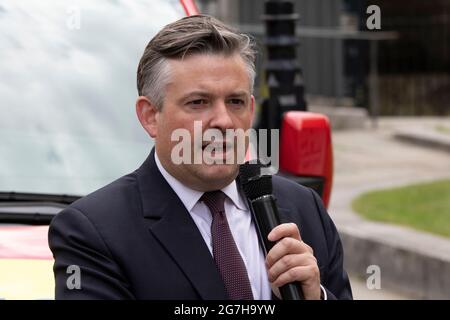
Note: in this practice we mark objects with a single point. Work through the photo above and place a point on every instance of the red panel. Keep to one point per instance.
(190, 7)
(24, 242)
(306, 149)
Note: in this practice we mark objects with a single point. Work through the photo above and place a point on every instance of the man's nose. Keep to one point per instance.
(220, 117)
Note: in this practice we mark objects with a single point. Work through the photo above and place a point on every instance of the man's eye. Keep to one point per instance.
(197, 102)
(239, 102)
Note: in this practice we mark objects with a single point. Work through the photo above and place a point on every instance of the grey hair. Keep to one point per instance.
(198, 34)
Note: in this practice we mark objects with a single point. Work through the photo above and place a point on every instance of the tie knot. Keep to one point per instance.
(215, 201)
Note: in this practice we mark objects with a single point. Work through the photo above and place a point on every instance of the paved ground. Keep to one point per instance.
(372, 159)
(361, 292)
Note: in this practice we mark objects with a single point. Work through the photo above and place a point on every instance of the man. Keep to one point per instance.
(184, 231)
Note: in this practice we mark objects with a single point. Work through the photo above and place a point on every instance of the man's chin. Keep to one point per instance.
(218, 176)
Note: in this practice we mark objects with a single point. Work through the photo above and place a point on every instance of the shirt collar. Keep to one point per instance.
(232, 192)
(189, 197)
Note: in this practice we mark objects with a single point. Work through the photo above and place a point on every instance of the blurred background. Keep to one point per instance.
(382, 78)
(385, 89)
(412, 57)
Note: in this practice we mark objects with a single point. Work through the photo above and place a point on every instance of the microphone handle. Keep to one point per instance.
(267, 218)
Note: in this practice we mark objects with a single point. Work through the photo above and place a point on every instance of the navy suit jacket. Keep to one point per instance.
(134, 239)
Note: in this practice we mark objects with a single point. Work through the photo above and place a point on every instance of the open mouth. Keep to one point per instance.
(217, 146)
(218, 151)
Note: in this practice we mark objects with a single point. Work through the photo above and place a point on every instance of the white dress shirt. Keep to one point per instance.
(241, 225)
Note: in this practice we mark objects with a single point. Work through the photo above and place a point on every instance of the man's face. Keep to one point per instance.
(215, 90)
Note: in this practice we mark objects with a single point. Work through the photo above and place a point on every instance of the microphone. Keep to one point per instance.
(258, 190)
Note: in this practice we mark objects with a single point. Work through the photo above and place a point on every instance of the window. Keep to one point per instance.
(68, 90)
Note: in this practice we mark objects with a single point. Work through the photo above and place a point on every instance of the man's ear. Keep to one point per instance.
(147, 114)
(252, 107)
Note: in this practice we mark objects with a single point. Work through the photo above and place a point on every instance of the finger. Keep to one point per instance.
(289, 262)
(284, 247)
(300, 274)
(309, 248)
(284, 230)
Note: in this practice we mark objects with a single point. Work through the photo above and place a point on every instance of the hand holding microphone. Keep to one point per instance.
(290, 262)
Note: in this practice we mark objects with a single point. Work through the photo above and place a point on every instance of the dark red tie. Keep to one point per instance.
(226, 254)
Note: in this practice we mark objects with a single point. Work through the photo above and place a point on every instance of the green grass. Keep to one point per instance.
(443, 129)
(424, 207)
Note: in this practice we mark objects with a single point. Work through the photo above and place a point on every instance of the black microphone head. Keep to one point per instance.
(254, 183)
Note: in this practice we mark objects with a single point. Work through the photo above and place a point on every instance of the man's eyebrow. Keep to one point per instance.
(239, 93)
(195, 94)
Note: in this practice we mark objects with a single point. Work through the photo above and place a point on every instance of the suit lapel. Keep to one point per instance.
(286, 215)
(177, 232)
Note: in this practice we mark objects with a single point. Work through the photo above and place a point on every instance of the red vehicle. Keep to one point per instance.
(67, 81)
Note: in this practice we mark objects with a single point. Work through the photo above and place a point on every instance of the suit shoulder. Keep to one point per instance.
(285, 186)
(110, 198)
